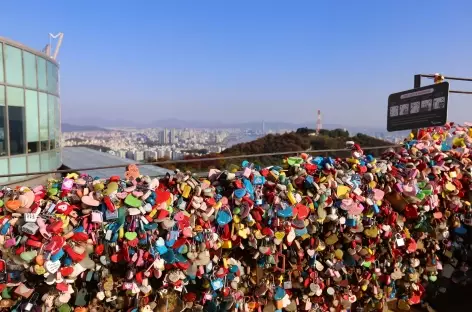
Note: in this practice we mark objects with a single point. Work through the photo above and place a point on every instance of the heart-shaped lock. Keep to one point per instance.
(331, 240)
(285, 212)
(356, 209)
(310, 252)
(39, 270)
(217, 284)
(52, 266)
(279, 235)
(371, 232)
(279, 293)
(223, 218)
(243, 233)
(28, 256)
(131, 235)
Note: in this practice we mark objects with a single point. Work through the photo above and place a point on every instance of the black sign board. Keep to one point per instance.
(418, 108)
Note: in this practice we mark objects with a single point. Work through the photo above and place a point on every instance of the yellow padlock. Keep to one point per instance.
(290, 187)
(227, 244)
(291, 198)
(225, 263)
(312, 207)
(407, 233)
(121, 232)
(186, 192)
(305, 236)
(152, 213)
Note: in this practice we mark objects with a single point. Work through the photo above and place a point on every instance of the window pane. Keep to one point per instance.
(44, 157)
(4, 169)
(58, 158)
(33, 163)
(29, 61)
(58, 122)
(43, 118)
(52, 78)
(32, 116)
(17, 129)
(3, 141)
(2, 95)
(1, 63)
(32, 121)
(18, 165)
(42, 74)
(51, 117)
(52, 160)
(15, 96)
(13, 65)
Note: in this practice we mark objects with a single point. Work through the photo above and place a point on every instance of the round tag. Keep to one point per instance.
(330, 291)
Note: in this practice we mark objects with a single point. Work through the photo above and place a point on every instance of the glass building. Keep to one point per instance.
(30, 115)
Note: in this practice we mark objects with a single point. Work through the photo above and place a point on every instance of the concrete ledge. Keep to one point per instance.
(32, 181)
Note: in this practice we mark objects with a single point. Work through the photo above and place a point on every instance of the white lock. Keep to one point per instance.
(399, 240)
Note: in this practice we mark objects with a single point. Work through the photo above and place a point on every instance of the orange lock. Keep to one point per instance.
(13, 204)
(279, 304)
(39, 260)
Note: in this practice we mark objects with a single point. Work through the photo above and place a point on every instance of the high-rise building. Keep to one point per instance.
(168, 154)
(160, 154)
(166, 136)
(30, 125)
(150, 155)
(129, 154)
(172, 136)
(139, 155)
(121, 153)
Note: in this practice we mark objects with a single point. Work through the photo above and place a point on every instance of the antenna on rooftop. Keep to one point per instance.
(59, 37)
(47, 50)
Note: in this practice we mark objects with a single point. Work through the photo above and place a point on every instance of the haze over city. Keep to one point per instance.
(235, 61)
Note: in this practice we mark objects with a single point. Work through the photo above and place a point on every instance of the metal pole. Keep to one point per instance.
(417, 84)
(445, 77)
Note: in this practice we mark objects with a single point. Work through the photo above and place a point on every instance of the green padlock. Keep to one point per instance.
(52, 191)
(65, 308)
(6, 293)
(132, 201)
(111, 188)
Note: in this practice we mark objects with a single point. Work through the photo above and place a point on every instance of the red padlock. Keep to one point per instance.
(55, 227)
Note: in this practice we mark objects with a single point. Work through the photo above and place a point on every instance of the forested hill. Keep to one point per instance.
(301, 140)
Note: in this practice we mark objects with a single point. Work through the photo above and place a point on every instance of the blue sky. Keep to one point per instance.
(246, 60)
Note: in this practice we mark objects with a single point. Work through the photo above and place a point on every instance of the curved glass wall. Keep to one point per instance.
(30, 127)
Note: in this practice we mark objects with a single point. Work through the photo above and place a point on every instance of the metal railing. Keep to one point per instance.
(326, 152)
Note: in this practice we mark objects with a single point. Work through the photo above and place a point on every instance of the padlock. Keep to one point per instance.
(97, 216)
(227, 244)
(399, 240)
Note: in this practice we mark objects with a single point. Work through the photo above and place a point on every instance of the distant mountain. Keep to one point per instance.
(66, 127)
(195, 124)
